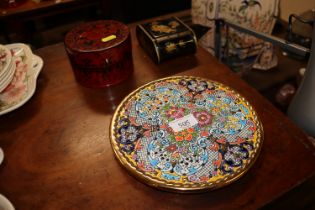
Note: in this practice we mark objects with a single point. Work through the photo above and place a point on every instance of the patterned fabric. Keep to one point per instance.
(255, 14)
(186, 132)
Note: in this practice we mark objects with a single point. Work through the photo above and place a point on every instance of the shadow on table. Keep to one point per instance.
(106, 100)
(24, 113)
(177, 65)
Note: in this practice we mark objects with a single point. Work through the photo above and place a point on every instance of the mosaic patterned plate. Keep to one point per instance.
(186, 134)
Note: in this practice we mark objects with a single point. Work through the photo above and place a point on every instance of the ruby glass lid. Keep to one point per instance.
(96, 36)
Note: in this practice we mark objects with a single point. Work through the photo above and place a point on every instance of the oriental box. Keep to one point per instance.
(167, 38)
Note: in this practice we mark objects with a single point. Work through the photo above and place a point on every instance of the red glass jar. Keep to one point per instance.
(100, 53)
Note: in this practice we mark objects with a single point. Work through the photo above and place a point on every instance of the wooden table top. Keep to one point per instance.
(58, 154)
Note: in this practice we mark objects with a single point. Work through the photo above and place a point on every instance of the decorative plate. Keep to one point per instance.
(23, 85)
(5, 204)
(7, 77)
(6, 67)
(5, 59)
(186, 134)
(1, 155)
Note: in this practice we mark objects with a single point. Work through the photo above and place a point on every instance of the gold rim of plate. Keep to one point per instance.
(170, 186)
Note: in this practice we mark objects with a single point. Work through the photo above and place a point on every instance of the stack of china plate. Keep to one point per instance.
(7, 67)
(19, 69)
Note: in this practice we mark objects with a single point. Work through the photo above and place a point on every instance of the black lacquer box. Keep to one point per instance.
(167, 38)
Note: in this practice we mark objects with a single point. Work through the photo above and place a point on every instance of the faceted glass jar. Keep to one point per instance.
(100, 53)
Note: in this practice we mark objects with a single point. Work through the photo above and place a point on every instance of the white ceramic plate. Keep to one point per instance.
(6, 73)
(7, 77)
(22, 86)
(7, 67)
(5, 59)
(1, 155)
(21, 54)
(5, 204)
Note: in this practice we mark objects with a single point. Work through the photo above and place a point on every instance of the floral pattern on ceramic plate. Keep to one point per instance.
(7, 68)
(186, 134)
(5, 59)
(23, 84)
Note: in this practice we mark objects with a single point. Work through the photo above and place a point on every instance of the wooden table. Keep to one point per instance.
(58, 154)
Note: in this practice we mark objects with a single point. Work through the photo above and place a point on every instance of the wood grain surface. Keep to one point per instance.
(58, 154)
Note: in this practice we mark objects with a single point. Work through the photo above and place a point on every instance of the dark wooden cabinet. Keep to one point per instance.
(30, 21)
(142, 9)
(26, 22)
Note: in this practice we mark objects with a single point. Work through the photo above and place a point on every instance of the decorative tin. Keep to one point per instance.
(186, 134)
(165, 39)
(100, 53)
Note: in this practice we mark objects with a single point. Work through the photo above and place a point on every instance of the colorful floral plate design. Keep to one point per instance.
(23, 84)
(186, 134)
